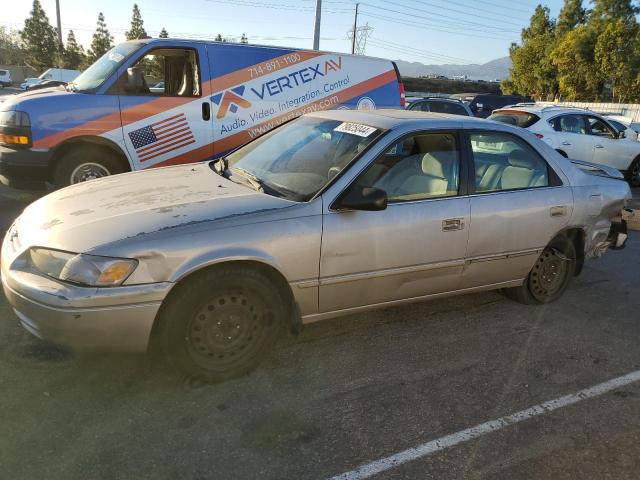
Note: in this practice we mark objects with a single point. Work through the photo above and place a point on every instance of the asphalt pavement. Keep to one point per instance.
(347, 392)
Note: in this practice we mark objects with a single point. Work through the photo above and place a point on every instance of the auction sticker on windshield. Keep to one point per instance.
(355, 129)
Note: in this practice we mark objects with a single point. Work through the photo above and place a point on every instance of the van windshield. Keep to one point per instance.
(103, 68)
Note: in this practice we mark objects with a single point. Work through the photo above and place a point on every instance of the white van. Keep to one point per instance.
(59, 74)
(5, 78)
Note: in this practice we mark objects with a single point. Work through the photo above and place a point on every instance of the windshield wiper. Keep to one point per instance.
(219, 165)
(73, 87)
(254, 181)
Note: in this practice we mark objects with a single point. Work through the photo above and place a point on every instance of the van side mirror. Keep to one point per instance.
(369, 199)
(135, 80)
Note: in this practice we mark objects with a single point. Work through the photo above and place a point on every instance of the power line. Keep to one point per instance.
(424, 52)
(410, 12)
(432, 27)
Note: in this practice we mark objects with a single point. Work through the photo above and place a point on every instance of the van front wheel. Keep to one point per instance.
(84, 164)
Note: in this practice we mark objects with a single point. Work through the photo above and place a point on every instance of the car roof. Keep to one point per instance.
(391, 118)
(540, 109)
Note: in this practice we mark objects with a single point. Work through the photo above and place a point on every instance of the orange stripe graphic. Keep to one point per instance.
(133, 114)
(243, 137)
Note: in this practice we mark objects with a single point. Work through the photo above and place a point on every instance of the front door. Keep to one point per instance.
(518, 206)
(165, 109)
(607, 148)
(416, 246)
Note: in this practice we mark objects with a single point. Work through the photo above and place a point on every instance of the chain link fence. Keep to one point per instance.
(629, 110)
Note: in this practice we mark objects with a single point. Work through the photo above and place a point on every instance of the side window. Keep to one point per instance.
(169, 72)
(420, 106)
(417, 168)
(569, 124)
(600, 128)
(504, 162)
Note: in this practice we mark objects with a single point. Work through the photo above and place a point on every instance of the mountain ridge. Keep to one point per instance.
(494, 69)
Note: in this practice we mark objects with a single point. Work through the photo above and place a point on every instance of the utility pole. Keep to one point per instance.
(316, 31)
(355, 27)
(59, 23)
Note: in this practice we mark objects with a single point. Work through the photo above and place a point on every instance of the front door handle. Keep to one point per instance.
(452, 224)
(206, 111)
(566, 143)
(599, 146)
(558, 211)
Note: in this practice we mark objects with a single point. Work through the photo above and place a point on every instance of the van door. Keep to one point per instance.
(164, 104)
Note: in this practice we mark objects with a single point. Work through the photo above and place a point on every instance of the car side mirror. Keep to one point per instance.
(621, 134)
(134, 81)
(369, 199)
(479, 107)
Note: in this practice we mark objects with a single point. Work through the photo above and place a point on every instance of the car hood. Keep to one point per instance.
(83, 217)
(53, 93)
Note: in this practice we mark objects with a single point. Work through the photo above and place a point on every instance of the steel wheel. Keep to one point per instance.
(549, 274)
(226, 328)
(88, 171)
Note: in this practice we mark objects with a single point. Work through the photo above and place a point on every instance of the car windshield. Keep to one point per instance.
(515, 117)
(101, 69)
(297, 160)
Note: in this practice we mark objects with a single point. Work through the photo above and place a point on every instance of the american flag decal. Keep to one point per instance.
(161, 137)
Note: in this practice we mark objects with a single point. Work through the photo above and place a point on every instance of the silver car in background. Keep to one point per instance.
(332, 213)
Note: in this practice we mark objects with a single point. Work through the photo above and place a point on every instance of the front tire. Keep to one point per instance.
(633, 174)
(550, 275)
(221, 323)
(86, 163)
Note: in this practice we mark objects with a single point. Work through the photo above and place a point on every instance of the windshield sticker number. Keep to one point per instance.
(355, 129)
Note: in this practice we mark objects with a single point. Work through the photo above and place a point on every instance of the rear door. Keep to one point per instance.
(572, 136)
(166, 115)
(517, 205)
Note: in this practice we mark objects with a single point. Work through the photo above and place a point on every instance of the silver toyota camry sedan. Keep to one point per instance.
(332, 213)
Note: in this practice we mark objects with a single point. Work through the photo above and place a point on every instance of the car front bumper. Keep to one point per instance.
(107, 319)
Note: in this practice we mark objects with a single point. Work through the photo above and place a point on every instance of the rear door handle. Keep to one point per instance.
(566, 143)
(558, 211)
(452, 224)
(206, 111)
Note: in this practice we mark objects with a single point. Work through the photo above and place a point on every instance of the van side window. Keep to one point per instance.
(504, 162)
(168, 72)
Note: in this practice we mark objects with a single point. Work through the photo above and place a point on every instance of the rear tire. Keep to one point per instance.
(86, 163)
(220, 323)
(550, 275)
(633, 174)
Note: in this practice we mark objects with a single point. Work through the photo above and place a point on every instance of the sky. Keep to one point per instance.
(427, 31)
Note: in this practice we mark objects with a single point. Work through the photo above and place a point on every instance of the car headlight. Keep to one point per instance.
(87, 270)
(15, 129)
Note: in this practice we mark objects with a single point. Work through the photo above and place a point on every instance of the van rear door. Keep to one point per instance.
(164, 103)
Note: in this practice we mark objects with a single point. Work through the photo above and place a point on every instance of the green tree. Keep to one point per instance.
(616, 57)
(218, 38)
(571, 15)
(102, 41)
(574, 58)
(39, 39)
(533, 72)
(137, 25)
(11, 52)
(73, 55)
(244, 39)
(607, 10)
(163, 33)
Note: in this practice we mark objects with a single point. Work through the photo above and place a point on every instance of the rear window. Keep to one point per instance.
(3, 72)
(515, 117)
(447, 107)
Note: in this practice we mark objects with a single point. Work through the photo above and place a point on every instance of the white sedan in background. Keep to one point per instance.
(578, 134)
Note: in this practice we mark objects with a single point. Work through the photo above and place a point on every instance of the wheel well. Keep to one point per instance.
(576, 235)
(84, 142)
(563, 153)
(277, 279)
